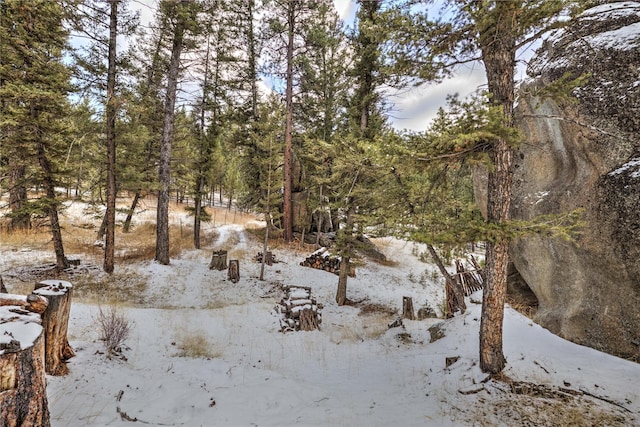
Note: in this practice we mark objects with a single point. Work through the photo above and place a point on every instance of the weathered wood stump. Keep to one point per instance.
(233, 273)
(23, 395)
(55, 322)
(407, 308)
(3, 290)
(218, 261)
(269, 258)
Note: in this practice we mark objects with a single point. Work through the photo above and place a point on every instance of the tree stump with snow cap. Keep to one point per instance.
(23, 394)
(55, 322)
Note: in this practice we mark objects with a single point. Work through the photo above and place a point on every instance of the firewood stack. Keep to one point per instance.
(298, 310)
(470, 279)
(322, 260)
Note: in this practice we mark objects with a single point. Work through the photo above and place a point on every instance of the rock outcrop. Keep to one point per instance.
(586, 156)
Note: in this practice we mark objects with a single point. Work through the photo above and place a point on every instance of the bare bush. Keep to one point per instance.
(115, 329)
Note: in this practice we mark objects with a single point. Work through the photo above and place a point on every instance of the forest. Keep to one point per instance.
(278, 108)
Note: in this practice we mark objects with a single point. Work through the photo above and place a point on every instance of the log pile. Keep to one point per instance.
(298, 310)
(471, 279)
(23, 396)
(323, 260)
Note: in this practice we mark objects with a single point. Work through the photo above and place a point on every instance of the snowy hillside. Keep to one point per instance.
(206, 352)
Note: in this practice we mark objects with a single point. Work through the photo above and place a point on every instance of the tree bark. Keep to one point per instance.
(218, 261)
(498, 45)
(110, 214)
(233, 273)
(164, 169)
(52, 207)
(23, 396)
(55, 322)
(287, 217)
(345, 262)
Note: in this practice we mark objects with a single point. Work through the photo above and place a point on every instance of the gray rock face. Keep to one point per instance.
(586, 156)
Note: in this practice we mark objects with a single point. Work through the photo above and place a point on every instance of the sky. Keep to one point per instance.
(411, 109)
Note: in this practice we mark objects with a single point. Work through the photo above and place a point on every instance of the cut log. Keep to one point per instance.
(23, 395)
(407, 308)
(218, 261)
(55, 322)
(32, 303)
(233, 273)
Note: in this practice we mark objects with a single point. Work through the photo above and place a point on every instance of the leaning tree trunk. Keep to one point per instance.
(55, 322)
(23, 395)
(498, 44)
(450, 283)
(56, 232)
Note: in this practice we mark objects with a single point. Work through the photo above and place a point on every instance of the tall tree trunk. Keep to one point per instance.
(52, 208)
(204, 160)
(288, 137)
(110, 214)
(164, 169)
(345, 262)
(498, 44)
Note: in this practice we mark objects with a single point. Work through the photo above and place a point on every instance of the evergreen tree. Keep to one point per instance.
(34, 84)
(490, 31)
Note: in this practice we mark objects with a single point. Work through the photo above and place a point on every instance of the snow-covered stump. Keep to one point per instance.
(298, 310)
(55, 322)
(23, 394)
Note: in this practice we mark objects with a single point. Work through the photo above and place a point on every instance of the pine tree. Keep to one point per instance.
(34, 83)
(490, 31)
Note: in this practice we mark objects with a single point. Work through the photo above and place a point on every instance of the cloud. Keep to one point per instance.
(414, 109)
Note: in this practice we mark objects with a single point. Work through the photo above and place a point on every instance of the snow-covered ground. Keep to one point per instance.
(206, 352)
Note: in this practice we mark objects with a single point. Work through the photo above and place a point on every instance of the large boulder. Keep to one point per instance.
(587, 156)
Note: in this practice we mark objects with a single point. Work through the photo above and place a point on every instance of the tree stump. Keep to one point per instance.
(23, 394)
(407, 308)
(233, 273)
(55, 322)
(269, 258)
(218, 261)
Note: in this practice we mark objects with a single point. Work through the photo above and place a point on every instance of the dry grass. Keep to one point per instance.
(195, 344)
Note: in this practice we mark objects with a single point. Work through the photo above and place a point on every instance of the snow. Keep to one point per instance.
(53, 287)
(18, 325)
(355, 371)
(632, 167)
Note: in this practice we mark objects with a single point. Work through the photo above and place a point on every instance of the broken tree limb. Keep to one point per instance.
(455, 294)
